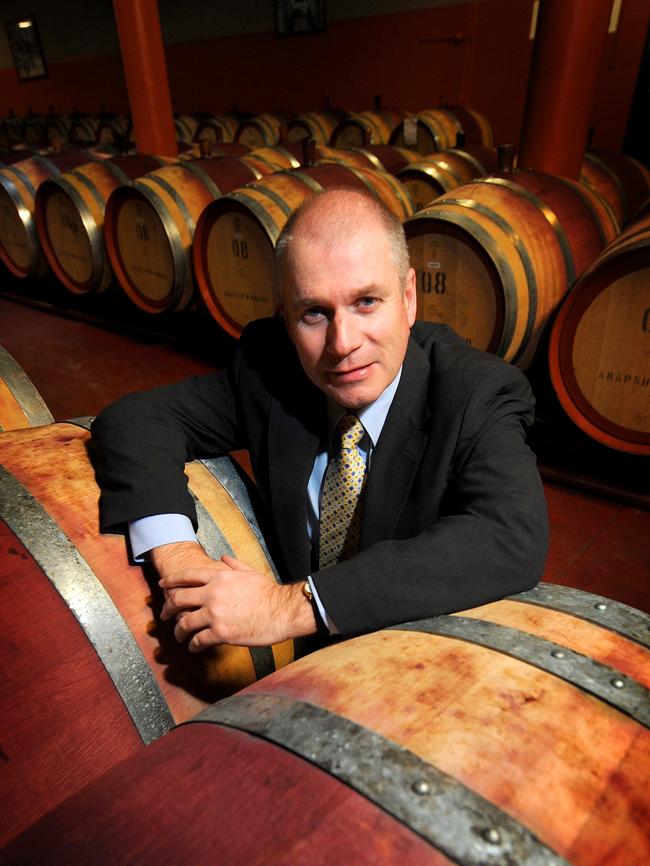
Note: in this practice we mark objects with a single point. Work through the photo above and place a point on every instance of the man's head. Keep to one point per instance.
(347, 293)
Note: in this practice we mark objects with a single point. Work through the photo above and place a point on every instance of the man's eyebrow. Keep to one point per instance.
(313, 301)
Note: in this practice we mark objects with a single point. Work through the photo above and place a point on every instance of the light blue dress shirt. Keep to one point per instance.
(149, 532)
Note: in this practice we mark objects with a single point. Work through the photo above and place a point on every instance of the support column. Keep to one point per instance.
(569, 47)
(145, 69)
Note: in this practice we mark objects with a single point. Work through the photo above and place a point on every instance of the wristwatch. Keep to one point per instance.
(306, 591)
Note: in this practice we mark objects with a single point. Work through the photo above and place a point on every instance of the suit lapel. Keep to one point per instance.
(295, 429)
(397, 456)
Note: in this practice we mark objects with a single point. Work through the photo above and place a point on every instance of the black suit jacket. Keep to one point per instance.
(454, 514)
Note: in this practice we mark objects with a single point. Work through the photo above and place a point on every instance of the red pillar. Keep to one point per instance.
(569, 46)
(145, 69)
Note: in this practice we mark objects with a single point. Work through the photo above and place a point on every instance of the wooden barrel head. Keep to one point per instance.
(67, 237)
(600, 352)
(17, 235)
(142, 239)
(238, 258)
(457, 283)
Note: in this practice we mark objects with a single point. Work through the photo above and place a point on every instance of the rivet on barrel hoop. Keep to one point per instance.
(492, 835)
(558, 654)
(601, 606)
(421, 787)
(618, 684)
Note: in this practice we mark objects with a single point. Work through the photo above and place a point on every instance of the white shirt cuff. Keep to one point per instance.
(331, 626)
(149, 532)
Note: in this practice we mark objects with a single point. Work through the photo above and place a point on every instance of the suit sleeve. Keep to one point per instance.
(488, 540)
(142, 442)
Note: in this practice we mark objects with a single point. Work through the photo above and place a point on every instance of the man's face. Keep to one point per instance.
(347, 314)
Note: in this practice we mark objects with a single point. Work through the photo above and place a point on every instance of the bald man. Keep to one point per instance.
(452, 513)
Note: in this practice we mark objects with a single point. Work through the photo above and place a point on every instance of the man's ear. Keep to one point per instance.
(411, 297)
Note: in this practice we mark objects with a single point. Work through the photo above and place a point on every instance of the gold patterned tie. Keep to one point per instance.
(341, 501)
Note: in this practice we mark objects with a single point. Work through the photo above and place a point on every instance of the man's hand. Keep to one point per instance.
(227, 601)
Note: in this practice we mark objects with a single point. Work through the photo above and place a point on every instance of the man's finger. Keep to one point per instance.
(181, 599)
(237, 564)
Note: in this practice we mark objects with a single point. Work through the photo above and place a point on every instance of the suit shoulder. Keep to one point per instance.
(448, 352)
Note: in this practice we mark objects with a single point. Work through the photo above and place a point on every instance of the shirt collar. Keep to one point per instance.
(372, 416)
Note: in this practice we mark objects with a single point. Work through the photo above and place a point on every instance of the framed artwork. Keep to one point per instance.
(26, 50)
(296, 17)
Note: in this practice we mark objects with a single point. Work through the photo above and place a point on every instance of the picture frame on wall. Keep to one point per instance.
(298, 17)
(26, 50)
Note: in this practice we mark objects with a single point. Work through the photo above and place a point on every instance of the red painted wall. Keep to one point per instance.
(477, 54)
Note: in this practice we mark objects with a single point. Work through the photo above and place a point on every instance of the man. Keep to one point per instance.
(449, 510)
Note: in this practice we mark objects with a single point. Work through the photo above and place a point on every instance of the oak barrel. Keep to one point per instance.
(435, 129)
(514, 733)
(263, 130)
(19, 245)
(599, 351)
(217, 128)
(20, 403)
(235, 236)
(149, 227)
(429, 178)
(318, 125)
(367, 127)
(69, 214)
(623, 181)
(494, 258)
(84, 128)
(89, 670)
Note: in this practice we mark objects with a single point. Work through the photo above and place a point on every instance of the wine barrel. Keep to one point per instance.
(185, 126)
(20, 403)
(514, 733)
(84, 128)
(217, 128)
(494, 258)
(69, 214)
(386, 157)
(57, 127)
(429, 178)
(19, 245)
(235, 236)
(318, 125)
(622, 181)
(207, 148)
(263, 130)
(149, 228)
(435, 129)
(599, 351)
(115, 130)
(32, 128)
(367, 127)
(89, 670)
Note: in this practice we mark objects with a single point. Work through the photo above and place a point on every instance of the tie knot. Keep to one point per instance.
(350, 430)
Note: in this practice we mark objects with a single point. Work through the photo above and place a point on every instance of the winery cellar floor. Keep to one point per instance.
(80, 359)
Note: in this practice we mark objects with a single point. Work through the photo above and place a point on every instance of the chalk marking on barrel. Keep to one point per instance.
(91, 605)
(456, 820)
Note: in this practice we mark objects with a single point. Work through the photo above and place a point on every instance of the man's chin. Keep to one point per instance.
(351, 397)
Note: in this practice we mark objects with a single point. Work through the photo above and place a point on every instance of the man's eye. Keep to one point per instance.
(313, 314)
(367, 302)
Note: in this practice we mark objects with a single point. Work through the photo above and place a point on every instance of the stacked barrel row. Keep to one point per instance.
(495, 255)
(427, 130)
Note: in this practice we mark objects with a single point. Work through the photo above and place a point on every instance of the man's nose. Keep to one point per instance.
(343, 336)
